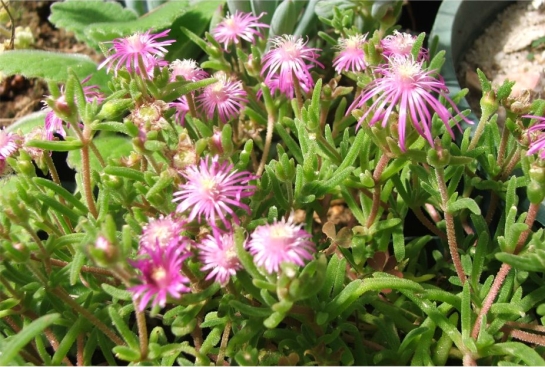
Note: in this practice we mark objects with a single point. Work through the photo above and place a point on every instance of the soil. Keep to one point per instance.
(505, 51)
(20, 96)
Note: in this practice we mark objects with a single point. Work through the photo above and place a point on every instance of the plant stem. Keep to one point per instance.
(223, 344)
(428, 224)
(381, 165)
(86, 172)
(504, 270)
(267, 147)
(479, 131)
(61, 293)
(142, 331)
(449, 220)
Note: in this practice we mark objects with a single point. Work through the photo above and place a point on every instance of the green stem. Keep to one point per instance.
(449, 219)
(381, 166)
(479, 131)
(88, 315)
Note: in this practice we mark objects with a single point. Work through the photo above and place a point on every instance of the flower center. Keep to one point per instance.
(209, 188)
(134, 43)
(159, 275)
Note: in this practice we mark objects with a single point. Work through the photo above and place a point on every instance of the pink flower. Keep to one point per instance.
(351, 57)
(144, 46)
(280, 242)
(213, 190)
(162, 232)
(8, 143)
(226, 96)
(400, 44)
(182, 108)
(188, 69)
(236, 27)
(217, 253)
(160, 276)
(404, 85)
(289, 56)
(536, 137)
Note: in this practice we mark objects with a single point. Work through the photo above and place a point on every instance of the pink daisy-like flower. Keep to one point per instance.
(406, 85)
(182, 108)
(226, 96)
(236, 27)
(351, 57)
(188, 69)
(400, 44)
(217, 253)
(161, 276)
(280, 242)
(145, 46)
(161, 232)
(213, 190)
(536, 137)
(8, 143)
(289, 56)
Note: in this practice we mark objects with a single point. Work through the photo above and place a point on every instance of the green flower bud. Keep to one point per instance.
(112, 109)
(489, 103)
(438, 158)
(110, 181)
(535, 192)
(103, 252)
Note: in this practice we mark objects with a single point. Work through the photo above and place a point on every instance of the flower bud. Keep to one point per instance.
(104, 252)
(489, 103)
(438, 157)
(535, 192)
(113, 109)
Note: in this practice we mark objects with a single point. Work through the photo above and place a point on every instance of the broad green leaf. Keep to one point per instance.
(27, 123)
(109, 146)
(160, 18)
(75, 16)
(12, 346)
(51, 66)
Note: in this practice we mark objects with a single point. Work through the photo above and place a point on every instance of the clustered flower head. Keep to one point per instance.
(238, 26)
(280, 242)
(161, 275)
(8, 144)
(188, 69)
(405, 85)
(162, 232)
(212, 191)
(217, 253)
(288, 62)
(351, 56)
(226, 97)
(399, 44)
(139, 49)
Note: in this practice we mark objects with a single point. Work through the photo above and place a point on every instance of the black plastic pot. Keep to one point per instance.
(457, 24)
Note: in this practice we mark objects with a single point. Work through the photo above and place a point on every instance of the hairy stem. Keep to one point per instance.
(381, 165)
(449, 220)
(428, 224)
(504, 270)
(267, 147)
